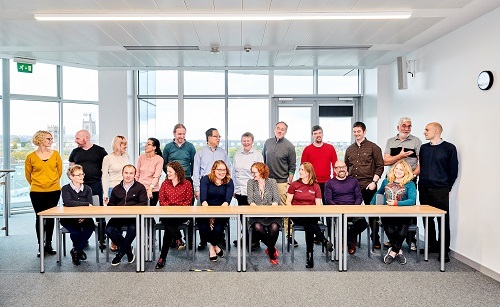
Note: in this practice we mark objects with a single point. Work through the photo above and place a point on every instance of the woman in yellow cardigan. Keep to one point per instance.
(43, 170)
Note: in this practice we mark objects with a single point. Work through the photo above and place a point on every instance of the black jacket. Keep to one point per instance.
(136, 195)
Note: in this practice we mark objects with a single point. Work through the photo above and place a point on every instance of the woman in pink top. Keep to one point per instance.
(306, 191)
(149, 168)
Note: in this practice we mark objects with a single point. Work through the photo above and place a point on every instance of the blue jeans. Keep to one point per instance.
(113, 230)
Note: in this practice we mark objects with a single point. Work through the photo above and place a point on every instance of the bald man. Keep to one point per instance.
(438, 172)
(90, 157)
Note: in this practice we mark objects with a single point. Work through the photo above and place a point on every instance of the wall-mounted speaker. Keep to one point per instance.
(402, 73)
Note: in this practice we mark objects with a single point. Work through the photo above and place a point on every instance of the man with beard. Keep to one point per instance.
(322, 156)
(344, 190)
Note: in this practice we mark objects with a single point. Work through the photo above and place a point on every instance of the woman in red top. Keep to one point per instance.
(176, 190)
(306, 191)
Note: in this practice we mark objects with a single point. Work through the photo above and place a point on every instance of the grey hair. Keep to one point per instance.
(404, 119)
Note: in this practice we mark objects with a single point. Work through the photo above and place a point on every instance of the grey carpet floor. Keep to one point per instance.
(369, 282)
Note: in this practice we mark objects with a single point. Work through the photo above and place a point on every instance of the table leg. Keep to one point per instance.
(138, 242)
(244, 243)
(238, 242)
(58, 241)
(344, 233)
(339, 242)
(442, 234)
(332, 237)
(426, 239)
(40, 245)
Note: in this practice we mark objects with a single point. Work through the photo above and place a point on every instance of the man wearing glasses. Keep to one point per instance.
(344, 190)
(404, 146)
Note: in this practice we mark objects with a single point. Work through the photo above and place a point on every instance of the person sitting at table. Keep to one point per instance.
(263, 191)
(128, 193)
(176, 190)
(345, 190)
(77, 194)
(306, 191)
(398, 190)
(216, 189)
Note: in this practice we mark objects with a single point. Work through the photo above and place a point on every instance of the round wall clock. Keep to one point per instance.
(485, 80)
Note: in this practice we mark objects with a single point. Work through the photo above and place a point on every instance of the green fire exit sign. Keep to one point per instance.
(24, 67)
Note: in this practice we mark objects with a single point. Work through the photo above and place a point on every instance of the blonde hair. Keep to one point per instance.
(40, 136)
(117, 141)
(72, 169)
(406, 169)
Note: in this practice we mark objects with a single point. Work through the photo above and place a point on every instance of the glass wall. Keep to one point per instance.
(38, 102)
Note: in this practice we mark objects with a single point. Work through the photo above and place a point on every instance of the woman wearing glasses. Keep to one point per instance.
(263, 191)
(149, 168)
(398, 190)
(216, 189)
(306, 191)
(43, 170)
(77, 194)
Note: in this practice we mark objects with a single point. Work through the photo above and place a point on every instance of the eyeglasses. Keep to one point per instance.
(340, 167)
(49, 139)
(78, 175)
(216, 136)
(149, 144)
(406, 126)
(221, 169)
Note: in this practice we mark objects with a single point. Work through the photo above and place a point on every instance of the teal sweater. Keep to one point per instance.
(409, 198)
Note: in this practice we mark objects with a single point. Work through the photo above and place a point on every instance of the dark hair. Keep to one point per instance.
(179, 126)
(282, 122)
(262, 169)
(178, 169)
(316, 128)
(129, 165)
(209, 132)
(156, 144)
(359, 124)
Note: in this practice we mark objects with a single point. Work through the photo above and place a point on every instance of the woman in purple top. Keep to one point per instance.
(306, 191)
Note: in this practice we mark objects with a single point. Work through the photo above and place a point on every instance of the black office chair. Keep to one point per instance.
(159, 227)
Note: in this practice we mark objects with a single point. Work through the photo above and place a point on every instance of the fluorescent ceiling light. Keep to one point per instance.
(151, 48)
(360, 47)
(230, 16)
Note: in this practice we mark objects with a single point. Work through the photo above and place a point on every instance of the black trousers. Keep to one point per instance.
(439, 198)
(396, 229)
(172, 233)
(42, 201)
(311, 229)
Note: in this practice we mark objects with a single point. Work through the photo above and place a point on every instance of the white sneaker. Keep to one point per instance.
(413, 247)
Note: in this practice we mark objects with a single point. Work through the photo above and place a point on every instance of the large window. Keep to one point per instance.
(204, 82)
(42, 82)
(293, 82)
(253, 82)
(158, 82)
(80, 84)
(338, 81)
(202, 114)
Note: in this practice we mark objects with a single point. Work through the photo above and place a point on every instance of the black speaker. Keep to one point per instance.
(402, 73)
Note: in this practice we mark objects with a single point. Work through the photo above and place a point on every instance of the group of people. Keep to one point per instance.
(257, 179)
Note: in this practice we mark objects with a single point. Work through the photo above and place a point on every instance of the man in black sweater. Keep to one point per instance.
(128, 193)
(438, 172)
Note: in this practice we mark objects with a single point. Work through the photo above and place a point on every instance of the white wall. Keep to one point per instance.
(445, 90)
(116, 109)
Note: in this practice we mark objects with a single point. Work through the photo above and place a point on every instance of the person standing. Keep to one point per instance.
(149, 166)
(279, 155)
(43, 171)
(404, 146)
(365, 163)
(244, 158)
(90, 157)
(113, 164)
(438, 172)
(322, 156)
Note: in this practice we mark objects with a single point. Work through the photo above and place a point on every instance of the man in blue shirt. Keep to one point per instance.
(438, 172)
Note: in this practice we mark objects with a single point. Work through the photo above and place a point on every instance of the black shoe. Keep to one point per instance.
(255, 246)
(328, 245)
(317, 240)
(221, 253)
(83, 256)
(117, 260)
(310, 261)
(235, 242)
(202, 246)
(49, 250)
(160, 264)
(75, 256)
(446, 258)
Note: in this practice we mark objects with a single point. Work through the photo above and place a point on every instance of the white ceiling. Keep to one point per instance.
(100, 44)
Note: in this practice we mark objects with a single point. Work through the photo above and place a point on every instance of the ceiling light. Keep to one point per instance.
(214, 16)
(153, 48)
(360, 47)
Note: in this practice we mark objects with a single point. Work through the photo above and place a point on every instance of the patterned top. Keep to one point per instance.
(267, 197)
(179, 195)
